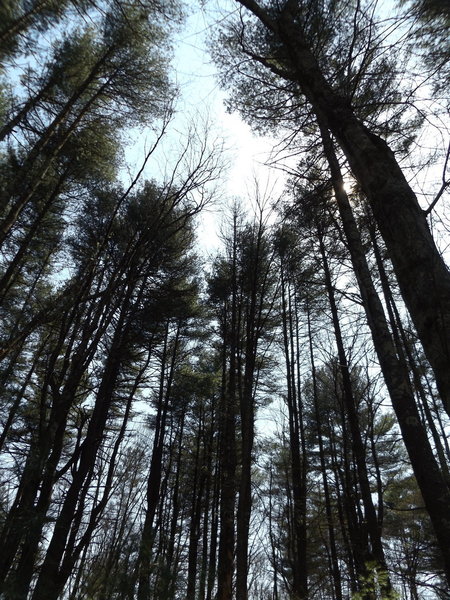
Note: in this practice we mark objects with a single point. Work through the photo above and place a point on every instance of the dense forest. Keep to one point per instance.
(268, 423)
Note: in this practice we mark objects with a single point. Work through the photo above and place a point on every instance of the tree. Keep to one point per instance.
(285, 32)
(114, 73)
(289, 259)
(285, 43)
(242, 294)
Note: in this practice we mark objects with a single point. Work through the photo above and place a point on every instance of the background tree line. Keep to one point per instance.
(271, 422)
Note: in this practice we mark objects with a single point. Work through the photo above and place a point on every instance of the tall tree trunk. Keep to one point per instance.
(25, 187)
(55, 568)
(253, 328)
(144, 567)
(16, 263)
(296, 441)
(341, 510)
(429, 477)
(213, 547)
(334, 564)
(356, 526)
(26, 108)
(209, 536)
(227, 439)
(422, 275)
(21, 23)
(357, 444)
(405, 354)
(195, 517)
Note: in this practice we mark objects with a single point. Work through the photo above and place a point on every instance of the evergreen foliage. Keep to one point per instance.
(269, 423)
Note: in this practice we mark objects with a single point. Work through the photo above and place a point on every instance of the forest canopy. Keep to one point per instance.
(270, 421)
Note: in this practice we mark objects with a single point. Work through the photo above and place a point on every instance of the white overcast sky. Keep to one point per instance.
(201, 94)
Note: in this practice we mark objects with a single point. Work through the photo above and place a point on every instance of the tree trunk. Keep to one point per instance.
(22, 23)
(253, 329)
(16, 263)
(429, 477)
(54, 570)
(422, 275)
(26, 108)
(334, 564)
(144, 567)
(296, 440)
(24, 188)
(357, 444)
(227, 440)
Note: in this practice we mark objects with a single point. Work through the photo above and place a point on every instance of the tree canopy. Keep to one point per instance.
(270, 421)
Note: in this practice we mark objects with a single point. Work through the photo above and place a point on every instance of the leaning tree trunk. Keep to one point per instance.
(422, 275)
(56, 566)
(406, 355)
(429, 477)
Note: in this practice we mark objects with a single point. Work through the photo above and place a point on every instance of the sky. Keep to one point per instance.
(201, 102)
(196, 77)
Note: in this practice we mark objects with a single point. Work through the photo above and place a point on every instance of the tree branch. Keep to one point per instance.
(444, 186)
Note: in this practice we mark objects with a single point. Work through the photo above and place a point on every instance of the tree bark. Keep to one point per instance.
(334, 563)
(431, 482)
(227, 439)
(422, 275)
(144, 567)
(370, 514)
(56, 567)
(297, 443)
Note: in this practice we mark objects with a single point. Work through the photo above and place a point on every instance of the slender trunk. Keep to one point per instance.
(7, 277)
(273, 549)
(290, 336)
(227, 441)
(21, 24)
(247, 412)
(356, 438)
(376, 463)
(28, 184)
(213, 548)
(21, 394)
(195, 520)
(144, 561)
(26, 108)
(54, 570)
(244, 499)
(329, 516)
(357, 528)
(225, 565)
(406, 355)
(337, 470)
(208, 537)
(170, 579)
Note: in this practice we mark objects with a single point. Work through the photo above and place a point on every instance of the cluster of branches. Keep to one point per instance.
(134, 458)
(322, 76)
(97, 279)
